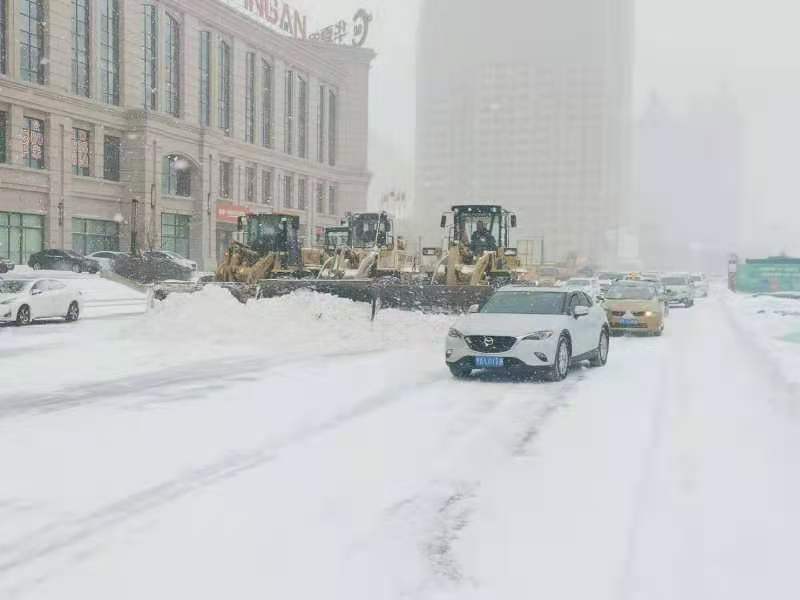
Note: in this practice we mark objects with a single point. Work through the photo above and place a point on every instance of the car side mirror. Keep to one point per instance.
(444, 222)
(513, 221)
(475, 308)
(36, 292)
(600, 298)
(580, 311)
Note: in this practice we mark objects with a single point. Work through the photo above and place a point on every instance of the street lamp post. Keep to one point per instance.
(134, 224)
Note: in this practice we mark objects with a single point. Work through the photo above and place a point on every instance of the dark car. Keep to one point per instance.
(150, 268)
(63, 260)
(6, 265)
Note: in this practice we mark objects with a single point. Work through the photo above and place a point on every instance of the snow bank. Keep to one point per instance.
(304, 320)
(774, 326)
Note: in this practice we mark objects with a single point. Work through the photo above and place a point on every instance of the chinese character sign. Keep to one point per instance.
(342, 32)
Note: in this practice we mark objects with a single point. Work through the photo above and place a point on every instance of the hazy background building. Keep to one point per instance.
(690, 173)
(527, 105)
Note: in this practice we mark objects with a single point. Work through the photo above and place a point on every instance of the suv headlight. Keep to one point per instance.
(538, 336)
(455, 333)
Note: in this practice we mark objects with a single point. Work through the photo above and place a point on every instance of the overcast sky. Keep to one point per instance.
(685, 48)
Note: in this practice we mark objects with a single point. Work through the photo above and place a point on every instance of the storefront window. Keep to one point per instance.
(90, 235)
(20, 236)
(175, 232)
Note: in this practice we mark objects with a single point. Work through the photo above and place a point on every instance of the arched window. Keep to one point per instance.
(176, 178)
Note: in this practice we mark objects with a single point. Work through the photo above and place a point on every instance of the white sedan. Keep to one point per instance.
(530, 330)
(25, 300)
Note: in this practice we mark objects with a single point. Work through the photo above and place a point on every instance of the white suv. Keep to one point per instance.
(532, 330)
(680, 289)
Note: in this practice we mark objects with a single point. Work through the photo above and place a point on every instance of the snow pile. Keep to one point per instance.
(774, 326)
(304, 321)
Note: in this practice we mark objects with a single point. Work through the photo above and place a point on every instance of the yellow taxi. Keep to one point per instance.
(634, 307)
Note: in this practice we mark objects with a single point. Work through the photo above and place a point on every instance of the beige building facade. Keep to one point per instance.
(165, 121)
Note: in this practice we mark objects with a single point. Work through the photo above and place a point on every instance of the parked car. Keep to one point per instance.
(529, 330)
(106, 258)
(634, 307)
(151, 268)
(25, 300)
(679, 289)
(174, 257)
(63, 260)
(6, 265)
(700, 282)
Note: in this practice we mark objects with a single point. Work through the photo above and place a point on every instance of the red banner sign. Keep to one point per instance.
(227, 212)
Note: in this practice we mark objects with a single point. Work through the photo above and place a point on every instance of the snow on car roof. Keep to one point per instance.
(530, 288)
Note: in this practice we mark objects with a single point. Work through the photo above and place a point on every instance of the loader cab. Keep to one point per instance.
(272, 233)
(372, 230)
(337, 237)
(479, 228)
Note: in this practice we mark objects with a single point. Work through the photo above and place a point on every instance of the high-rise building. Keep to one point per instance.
(527, 105)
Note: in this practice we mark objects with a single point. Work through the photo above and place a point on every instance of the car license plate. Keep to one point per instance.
(629, 322)
(488, 362)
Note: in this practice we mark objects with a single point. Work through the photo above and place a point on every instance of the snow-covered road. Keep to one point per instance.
(292, 449)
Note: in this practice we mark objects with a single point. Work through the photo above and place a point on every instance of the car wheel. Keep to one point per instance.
(601, 354)
(460, 372)
(37, 266)
(74, 313)
(560, 368)
(76, 268)
(24, 315)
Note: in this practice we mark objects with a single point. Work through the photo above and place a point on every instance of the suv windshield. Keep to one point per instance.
(631, 292)
(525, 303)
(675, 281)
(12, 287)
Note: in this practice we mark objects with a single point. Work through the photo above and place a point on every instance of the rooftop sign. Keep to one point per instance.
(283, 17)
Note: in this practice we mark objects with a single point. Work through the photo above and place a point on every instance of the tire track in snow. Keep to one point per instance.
(157, 386)
(67, 538)
(450, 503)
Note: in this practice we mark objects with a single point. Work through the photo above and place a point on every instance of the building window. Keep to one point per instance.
(205, 78)
(332, 200)
(250, 184)
(176, 177)
(111, 147)
(33, 143)
(289, 111)
(80, 152)
(89, 235)
(332, 128)
(302, 117)
(320, 198)
(31, 40)
(109, 50)
(321, 125)
(3, 135)
(288, 191)
(80, 47)
(20, 236)
(266, 104)
(301, 194)
(225, 179)
(266, 186)
(225, 87)
(172, 58)
(250, 99)
(3, 36)
(150, 57)
(175, 233)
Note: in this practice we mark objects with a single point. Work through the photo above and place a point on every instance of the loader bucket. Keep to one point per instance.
(418, 297)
